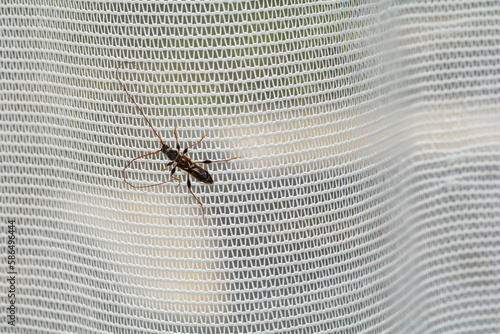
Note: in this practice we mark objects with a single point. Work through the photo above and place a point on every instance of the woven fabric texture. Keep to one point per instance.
(366, 195)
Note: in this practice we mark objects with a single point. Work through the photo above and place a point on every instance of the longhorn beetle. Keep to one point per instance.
(177, 159)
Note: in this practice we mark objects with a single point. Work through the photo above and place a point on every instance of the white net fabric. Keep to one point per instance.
(366, 198)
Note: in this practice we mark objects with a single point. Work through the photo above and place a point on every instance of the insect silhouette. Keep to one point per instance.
(177, 159)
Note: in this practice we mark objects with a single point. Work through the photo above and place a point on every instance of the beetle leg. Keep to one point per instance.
(189, 188)
(214, 161)
(199, 141)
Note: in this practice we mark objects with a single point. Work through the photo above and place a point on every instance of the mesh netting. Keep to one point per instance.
(366, 197)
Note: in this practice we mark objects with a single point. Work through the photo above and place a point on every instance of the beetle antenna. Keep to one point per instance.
(133, 101)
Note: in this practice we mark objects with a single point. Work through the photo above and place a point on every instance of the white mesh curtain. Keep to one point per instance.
(366, 198)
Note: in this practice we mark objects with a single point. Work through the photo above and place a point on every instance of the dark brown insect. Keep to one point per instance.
(177, 159)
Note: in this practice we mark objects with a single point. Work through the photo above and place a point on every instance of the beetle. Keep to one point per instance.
(177, 159)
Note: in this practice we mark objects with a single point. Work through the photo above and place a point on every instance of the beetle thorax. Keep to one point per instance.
(171, 153)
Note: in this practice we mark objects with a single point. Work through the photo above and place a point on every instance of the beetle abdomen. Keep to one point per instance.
(200, 174)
